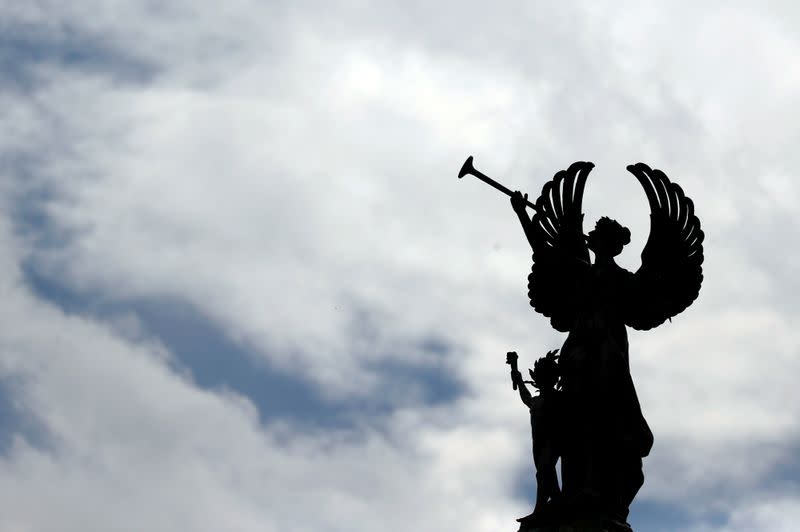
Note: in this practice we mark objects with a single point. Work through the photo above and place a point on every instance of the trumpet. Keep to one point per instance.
(468, 169)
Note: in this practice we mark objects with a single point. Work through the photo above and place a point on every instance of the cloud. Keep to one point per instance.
(287, 172)
(132, 444)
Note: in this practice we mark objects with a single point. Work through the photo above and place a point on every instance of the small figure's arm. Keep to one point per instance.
(516, 379)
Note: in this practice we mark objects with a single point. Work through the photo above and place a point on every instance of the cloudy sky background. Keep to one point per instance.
(242, 289)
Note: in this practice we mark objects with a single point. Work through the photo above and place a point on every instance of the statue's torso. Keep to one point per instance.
(598, 339)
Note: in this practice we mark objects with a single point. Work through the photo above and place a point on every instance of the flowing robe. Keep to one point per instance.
(605, 433)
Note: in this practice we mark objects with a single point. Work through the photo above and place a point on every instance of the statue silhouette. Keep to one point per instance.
(602, 433)
(545, 431)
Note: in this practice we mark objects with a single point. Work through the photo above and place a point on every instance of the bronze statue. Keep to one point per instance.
(545, 430)
(603, 435)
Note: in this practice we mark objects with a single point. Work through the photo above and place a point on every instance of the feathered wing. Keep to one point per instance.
(669, 278)
(560, 255)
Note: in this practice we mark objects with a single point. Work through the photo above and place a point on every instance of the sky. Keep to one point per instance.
(242, 288)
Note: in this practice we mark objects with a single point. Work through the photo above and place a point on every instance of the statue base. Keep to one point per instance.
(579, 526)
(578, 514)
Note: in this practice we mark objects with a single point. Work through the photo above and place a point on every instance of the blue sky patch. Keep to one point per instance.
(216, 362)
(23, 48)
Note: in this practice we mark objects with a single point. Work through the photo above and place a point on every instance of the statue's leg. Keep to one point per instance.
(633, 480)
(623, 478)
(541, 492)
(546, 485)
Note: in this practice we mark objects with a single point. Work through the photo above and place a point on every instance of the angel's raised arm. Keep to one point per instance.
(518, 203)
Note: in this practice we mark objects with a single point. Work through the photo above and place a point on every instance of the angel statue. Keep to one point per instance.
(604, 435)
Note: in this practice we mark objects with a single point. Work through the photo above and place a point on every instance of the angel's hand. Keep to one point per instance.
(518, 201)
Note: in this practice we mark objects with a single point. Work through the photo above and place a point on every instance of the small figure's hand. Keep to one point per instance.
(518, 201)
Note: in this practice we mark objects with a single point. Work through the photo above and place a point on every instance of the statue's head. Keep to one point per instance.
(608, 237)
(545, 371)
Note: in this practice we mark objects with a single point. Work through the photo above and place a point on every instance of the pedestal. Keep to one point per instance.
(580, 526)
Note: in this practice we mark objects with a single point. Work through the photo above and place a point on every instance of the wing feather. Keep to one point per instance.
(560, 255)
(671, 273)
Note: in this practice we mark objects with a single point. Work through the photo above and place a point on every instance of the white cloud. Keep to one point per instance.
(132, 445)
(290, 171)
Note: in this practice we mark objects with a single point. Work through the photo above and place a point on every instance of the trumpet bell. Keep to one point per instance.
(466, 168)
